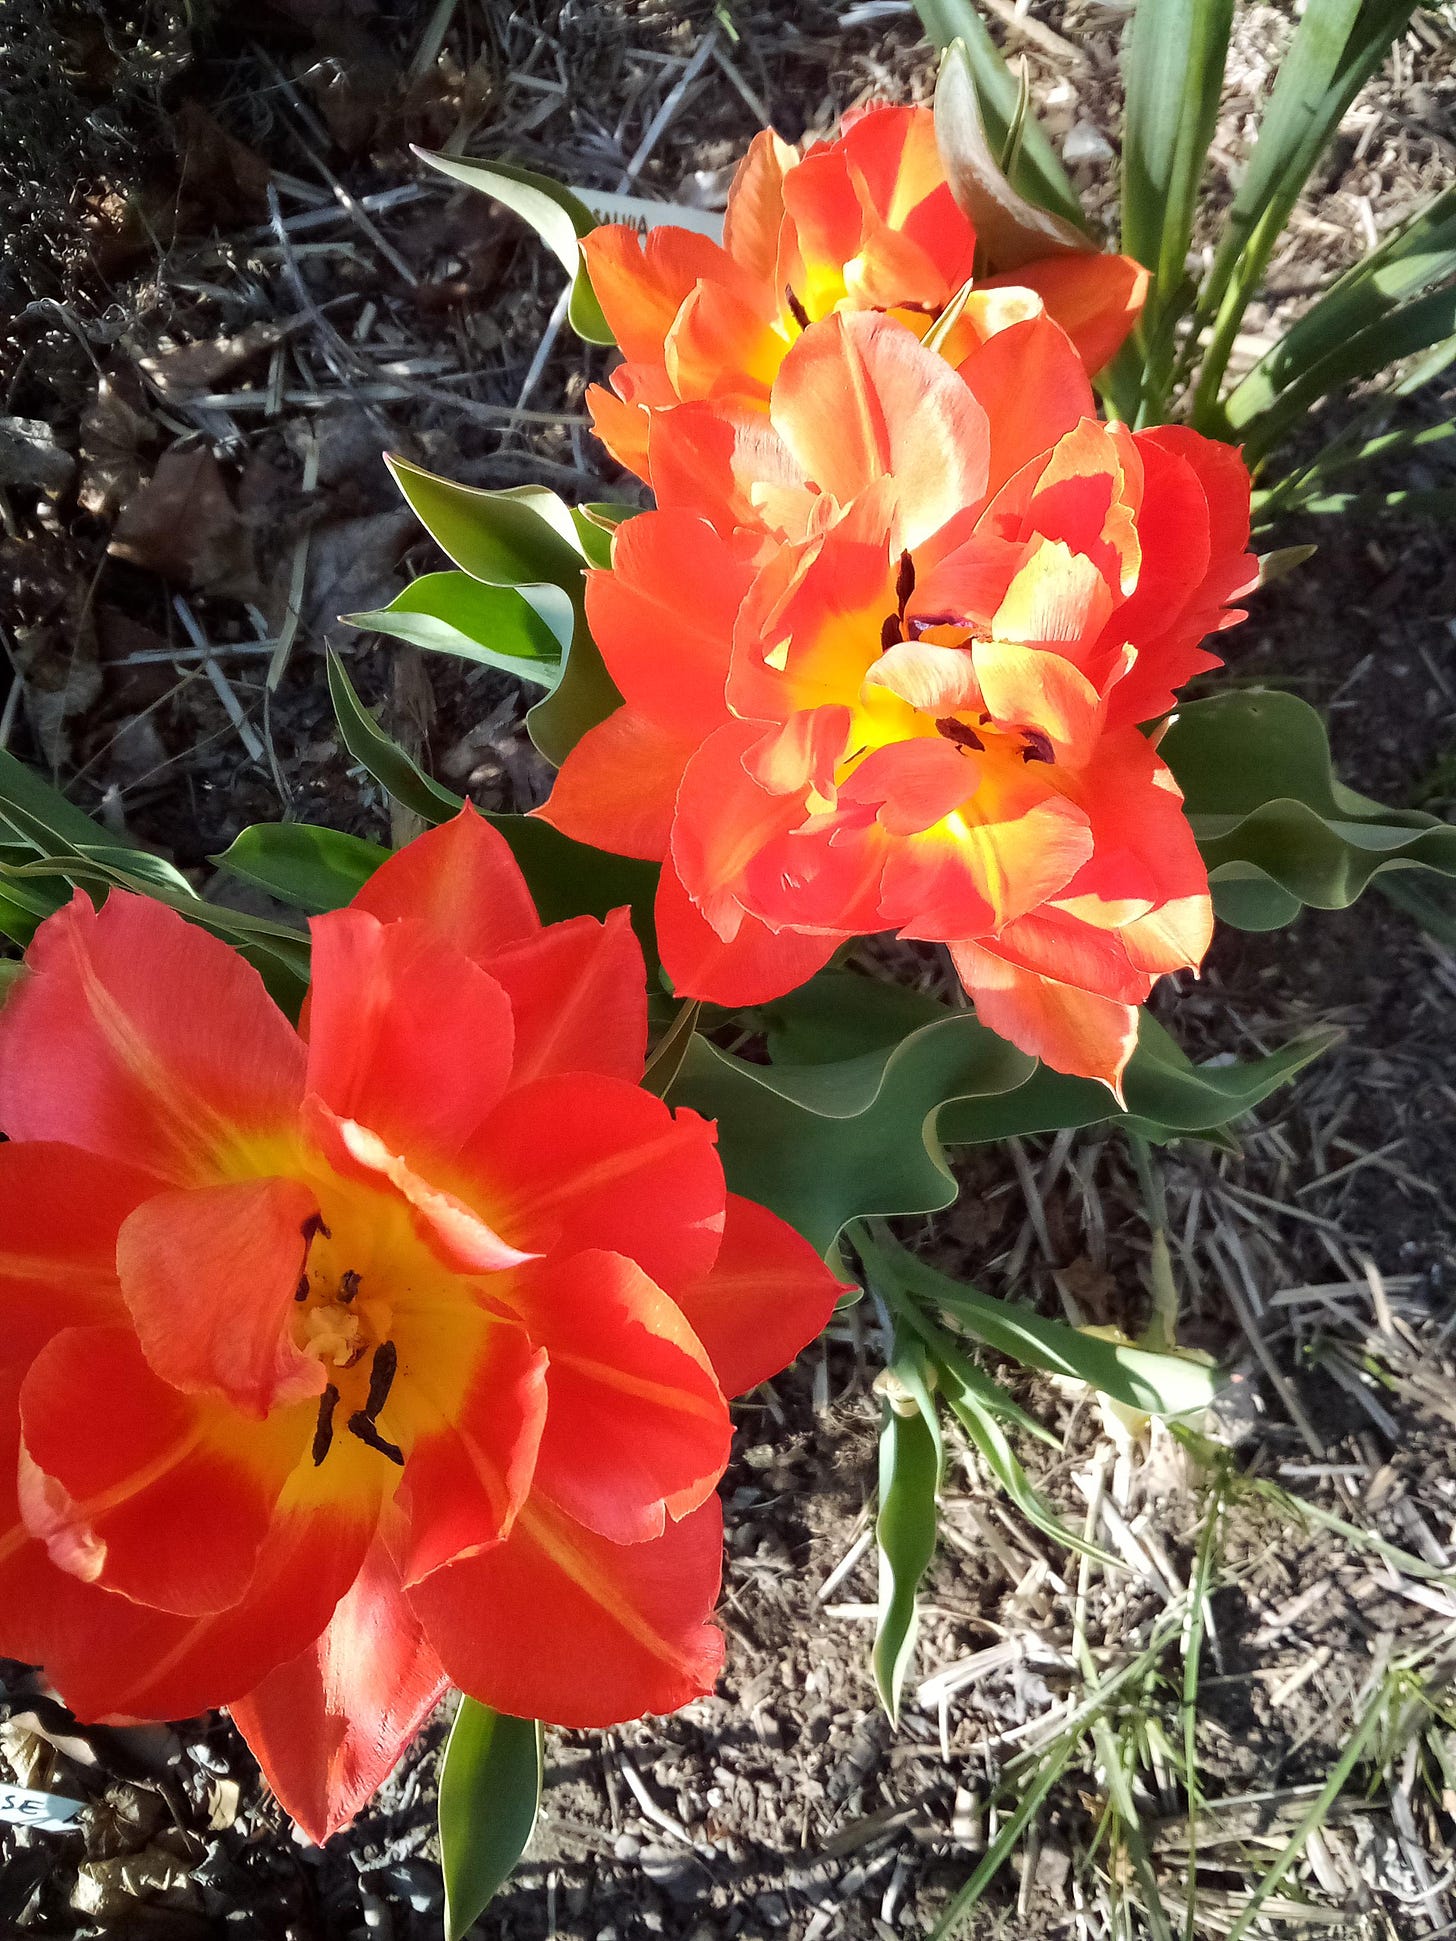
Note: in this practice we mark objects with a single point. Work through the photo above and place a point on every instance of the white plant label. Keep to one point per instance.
(48, 1811)
(642, 215)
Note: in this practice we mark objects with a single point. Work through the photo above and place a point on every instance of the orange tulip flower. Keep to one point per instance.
(344, 1361)
(864, 222)
(885, 650)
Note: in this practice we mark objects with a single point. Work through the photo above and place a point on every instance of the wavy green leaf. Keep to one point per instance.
(558, 217)
(525, 631)
(912, 1462)
(490, 1794)
(1276, 826)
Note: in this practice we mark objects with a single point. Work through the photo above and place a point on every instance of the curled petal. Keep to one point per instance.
(1073, 1031)
(1096, 299)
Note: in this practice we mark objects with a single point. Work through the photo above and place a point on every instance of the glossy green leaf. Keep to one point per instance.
(525, 538)
(1035, 168)
(596, 523)
(1139, 1378)
(994, 1447)
(668, 1054)
(912, 1459)
(1276, 827)
(566, 878)
(558, 217)
(490, 1794)
(524, 631)
(1335, 48)
(312, 868)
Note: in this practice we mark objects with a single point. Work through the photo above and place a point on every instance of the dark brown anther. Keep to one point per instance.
(312, 1228)
(959, 733)
(323, 1435)
(904, 583)
(361, 1426)
(796, 309)
(300, 1293)
(348, 1286)
(381, 1378)
(890, 633)
(1038, 746)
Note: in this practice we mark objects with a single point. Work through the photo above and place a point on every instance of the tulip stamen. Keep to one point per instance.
(314, 1228)
(904, 584)
(381, 1378)
(957, 732)
(323, 1435)
(360, 1425)
(796, 309)
(300, 1293)
(1038, 746)
(348, 1286)
(890, 635)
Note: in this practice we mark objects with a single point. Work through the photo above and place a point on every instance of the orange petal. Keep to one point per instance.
(561, 1625)
(622, 425)
(636, 1430)
(329, 1727)
(724, 818)
(405, 1033)
(141, 1038)
(722, 346)
(578, 996)
(726, 463)
(583, 1161)
(641, 282)
(663, 616)
(756, 206)
(163, 1497)
(915, 784)
(1001, 854)
(894, 152)
(462, 881)
(209, 1278)
(1033, 388)
(859, 399)
(1096, 299)
(1032, 687)
(766, 1296)
(1072, 1031)
(617, 788)
(931, 679)
(755, 965)
(470, 1470)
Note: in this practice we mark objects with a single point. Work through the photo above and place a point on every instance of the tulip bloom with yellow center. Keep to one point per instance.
(346, 1361)
(884, 656)
(864, 222)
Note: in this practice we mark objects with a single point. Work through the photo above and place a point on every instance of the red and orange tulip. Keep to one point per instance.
(344, 1361)
(884, 648)
(865, 222)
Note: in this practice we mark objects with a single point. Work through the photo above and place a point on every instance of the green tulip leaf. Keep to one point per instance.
(558, 217)
(490, 1794)
(300, 863)
(1275, 825)
(525, 631)
(912, 1462)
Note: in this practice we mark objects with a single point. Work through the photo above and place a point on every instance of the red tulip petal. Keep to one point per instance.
(405, 1033)
(758, 964)
(725, 463)
(721, 344)
(1032, 386)
(756, 205)
(584, 1161)
(139, 1037)
(636, 1426)
(641, 282)
(133, 1486)
(561, 1625)
(578, 995)
(617, 788)
(724, 818)
(329, 1727)
(209, 1277)
(1035, 688)
(621, 426)
(60, 1211)
(470, 1467)
(766, 1296)
(663, 616)
(462, 880)
(1072, 1031)
(1002, 853)
(1097, 299)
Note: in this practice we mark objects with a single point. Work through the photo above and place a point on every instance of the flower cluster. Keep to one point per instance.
(346, 1360)
(888, 642)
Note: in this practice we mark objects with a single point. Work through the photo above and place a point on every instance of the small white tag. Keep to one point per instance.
(642, 215)
(46, 1810)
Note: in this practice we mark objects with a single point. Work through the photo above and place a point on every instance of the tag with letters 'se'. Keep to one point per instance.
(48, 1811)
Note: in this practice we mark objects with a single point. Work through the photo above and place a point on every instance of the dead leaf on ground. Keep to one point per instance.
(114, 435)
(29, 455)
(181, 372)
(224, 182)
(183, 524)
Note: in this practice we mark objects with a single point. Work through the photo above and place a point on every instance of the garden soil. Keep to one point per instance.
(226, 289)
